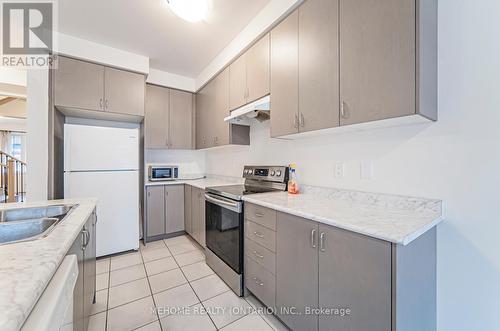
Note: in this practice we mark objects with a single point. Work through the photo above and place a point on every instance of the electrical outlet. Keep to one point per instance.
(338, 171)
(366, 170)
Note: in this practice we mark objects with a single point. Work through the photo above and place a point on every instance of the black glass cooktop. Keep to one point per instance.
(237, 191)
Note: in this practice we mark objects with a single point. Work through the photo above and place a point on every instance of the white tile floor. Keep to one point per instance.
(168, 286)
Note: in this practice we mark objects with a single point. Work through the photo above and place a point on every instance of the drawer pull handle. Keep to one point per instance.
(259, 235)
(257, 281)
(259, 214)
(258, 255)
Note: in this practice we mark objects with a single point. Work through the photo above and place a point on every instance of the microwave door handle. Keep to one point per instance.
(234, 206)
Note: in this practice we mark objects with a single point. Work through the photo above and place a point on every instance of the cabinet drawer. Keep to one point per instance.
(260, 282)
(261, 235)
(261, 255)
(261, 215)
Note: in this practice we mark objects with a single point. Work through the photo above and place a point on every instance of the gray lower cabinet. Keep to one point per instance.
(336, 269)
(364, 283)
(174, 208)
(89, 281)
(296, 271)
(354, 273)
(188, 211)
(84, 248)
(155, 211)
(198, 215)
(164, 211)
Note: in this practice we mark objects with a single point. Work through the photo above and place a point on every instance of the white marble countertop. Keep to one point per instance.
(201, 183)
(397, 219)
(27, 267)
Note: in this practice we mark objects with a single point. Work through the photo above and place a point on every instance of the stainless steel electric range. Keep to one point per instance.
(225, 220)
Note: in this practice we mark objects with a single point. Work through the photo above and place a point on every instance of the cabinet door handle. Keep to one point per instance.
(322, 241)
(259, 235)
(106, 104)
(259, 215)
(343, 111)
(296, 121)
(100, 103)
(85, 238)
(301, 120)
(313, 238)
(258, 255)
(258, 281)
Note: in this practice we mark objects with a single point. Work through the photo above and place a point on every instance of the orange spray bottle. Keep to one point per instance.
(293, 185)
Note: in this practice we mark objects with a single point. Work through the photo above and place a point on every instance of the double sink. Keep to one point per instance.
(31, 223)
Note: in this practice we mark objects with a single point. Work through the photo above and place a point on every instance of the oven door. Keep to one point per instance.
(224, 229)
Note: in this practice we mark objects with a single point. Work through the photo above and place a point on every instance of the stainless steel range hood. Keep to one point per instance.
(259, 109)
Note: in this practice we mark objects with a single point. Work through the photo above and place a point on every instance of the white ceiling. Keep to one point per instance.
(148, 27)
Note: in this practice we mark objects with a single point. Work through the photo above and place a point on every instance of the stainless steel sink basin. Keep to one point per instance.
(23, 224)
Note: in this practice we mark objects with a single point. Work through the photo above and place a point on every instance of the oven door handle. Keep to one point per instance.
(224, 203)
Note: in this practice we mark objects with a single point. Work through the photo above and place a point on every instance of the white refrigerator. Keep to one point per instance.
(103, 163)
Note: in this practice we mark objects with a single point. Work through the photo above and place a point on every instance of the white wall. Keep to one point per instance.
(191, 163)
(37, 139)
(268, 16)
(456, 159)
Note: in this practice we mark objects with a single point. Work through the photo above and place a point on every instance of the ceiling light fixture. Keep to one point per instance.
(190, 10)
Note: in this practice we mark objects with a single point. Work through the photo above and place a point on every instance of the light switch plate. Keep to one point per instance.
(366, 169)
(338, 171)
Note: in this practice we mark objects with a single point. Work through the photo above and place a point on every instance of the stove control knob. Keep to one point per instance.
(245, 171)
(278, 173)
(273, 172)
(250, 171)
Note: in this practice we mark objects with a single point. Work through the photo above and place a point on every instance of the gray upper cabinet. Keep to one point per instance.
(79, 84)
(318, 65)
(123, 92)
(296, 270)
(284, 76)
(174, 208)
(168, 123)
(155, 211)
(257, 64)
(238, 82)
(181, 120)
(377, 62)
(212, 106)
(343, 62)
(156, 119)
(354, 272)
(249, 75)
(220, 133)
(203, 114)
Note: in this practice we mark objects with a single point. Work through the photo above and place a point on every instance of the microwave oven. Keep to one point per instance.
(162, 173)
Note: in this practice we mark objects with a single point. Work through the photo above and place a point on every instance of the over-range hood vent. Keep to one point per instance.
(258, 109)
